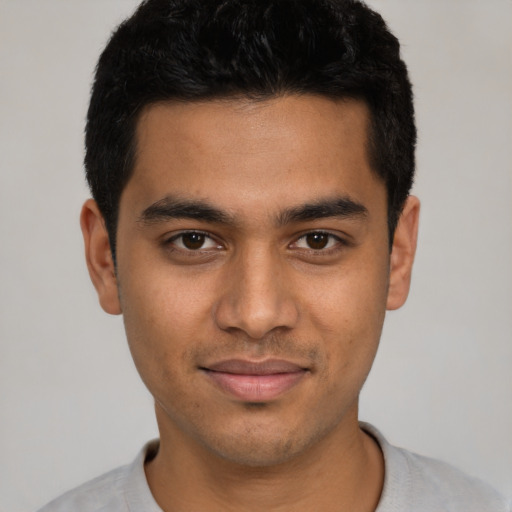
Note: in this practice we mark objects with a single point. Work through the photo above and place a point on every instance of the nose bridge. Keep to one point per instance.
(257, 297)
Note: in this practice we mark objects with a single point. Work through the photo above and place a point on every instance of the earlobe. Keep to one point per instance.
(402, 254)
(99, 257)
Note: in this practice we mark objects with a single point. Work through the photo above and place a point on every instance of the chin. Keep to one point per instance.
(260, 453)
(262, 446)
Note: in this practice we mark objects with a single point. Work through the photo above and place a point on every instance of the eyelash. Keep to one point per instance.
(339, 242)
(170, 242)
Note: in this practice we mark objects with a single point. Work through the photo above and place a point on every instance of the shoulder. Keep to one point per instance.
(124, 489)
(449, 487)
(423, 484)
(99, 494)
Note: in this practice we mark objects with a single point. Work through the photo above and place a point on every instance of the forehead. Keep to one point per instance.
(243, 153)
(308, 123)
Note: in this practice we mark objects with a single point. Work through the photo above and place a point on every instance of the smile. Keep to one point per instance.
(255, 381)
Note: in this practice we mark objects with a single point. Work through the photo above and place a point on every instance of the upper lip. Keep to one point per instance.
(246, 367)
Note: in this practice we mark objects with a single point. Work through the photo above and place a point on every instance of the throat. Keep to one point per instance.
(349, 478)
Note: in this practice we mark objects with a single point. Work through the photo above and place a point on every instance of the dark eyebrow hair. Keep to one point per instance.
(337, 207)
(171, 207)
(175, 208)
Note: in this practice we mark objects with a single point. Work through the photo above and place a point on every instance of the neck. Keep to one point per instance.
(343, 471)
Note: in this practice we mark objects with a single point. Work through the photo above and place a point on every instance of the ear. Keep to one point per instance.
(99, 257)
(402, 253)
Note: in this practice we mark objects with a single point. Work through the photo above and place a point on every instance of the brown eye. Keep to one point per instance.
(193, 241)
(193, 244)
(317, 241)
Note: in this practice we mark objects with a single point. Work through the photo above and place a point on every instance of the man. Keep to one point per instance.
(250, 164)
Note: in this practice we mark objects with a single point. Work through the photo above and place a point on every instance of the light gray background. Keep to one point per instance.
(71, 403)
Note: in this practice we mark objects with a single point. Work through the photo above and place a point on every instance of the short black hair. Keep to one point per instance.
(192, 50)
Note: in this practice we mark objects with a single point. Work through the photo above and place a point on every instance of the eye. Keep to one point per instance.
(317, 241)
(193, 241)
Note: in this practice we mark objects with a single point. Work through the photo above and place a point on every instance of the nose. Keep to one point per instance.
(257, 297)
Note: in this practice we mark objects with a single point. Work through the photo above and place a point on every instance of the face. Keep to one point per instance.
(253, 271)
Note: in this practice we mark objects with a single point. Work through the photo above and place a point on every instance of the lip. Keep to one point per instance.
(255, 381)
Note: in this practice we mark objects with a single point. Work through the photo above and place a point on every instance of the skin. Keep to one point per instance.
(258, 282)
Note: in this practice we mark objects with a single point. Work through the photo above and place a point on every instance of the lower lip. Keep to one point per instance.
(256, 388)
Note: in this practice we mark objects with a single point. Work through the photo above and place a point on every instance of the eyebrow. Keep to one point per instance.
(171, 207)
(342, 207)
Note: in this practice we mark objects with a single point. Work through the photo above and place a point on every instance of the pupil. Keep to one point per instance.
(317, 240)
(193, 240)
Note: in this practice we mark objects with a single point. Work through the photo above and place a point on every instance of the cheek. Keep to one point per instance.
(162, 299)
(351, 299)
(348, 311)
(162, 318)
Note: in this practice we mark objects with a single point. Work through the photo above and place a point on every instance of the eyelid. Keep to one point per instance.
(169, 240)
(340, 241)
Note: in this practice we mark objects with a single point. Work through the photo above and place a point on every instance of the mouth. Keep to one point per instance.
(255, 381)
